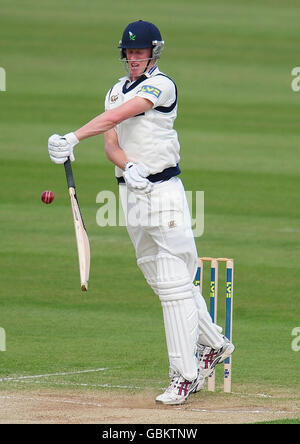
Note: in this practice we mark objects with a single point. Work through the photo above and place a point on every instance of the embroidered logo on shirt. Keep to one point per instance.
(151, 90)
(114, 98)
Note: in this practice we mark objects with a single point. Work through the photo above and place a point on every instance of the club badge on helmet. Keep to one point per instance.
(141, 34)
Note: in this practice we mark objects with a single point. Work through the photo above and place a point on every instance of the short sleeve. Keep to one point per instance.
(160, 90)
(106, 102)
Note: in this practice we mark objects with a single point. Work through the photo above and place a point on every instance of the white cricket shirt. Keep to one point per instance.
(149, 137)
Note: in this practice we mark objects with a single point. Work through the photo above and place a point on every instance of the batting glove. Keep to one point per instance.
(61, 147)
(135, 176)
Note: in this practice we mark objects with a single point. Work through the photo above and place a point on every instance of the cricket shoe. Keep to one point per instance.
(201, 382)
(209, 357)
(178, 390)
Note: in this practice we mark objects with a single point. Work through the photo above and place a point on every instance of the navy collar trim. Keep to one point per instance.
(134, 84)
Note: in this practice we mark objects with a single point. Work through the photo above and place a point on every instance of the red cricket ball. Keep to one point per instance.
(47, 197)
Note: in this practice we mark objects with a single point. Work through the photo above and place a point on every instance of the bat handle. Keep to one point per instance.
(69, 173)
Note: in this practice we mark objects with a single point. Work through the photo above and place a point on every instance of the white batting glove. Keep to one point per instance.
(61, 147)
(135, 176)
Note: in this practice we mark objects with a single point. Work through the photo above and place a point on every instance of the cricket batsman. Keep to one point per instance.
(140, 110)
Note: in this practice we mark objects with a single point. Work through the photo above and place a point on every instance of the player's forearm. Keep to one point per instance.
(109, 119)
(116, 155)
(99, 125)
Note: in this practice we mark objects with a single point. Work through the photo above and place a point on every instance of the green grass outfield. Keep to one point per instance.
(239, 128)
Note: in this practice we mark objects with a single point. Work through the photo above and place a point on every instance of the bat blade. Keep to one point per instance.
(82, 240)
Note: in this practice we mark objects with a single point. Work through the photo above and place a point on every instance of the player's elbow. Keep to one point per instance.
(113, 118)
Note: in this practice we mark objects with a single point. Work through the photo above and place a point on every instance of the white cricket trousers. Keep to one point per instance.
(159, 225)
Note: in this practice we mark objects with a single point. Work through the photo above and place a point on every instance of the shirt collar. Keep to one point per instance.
(152, 72)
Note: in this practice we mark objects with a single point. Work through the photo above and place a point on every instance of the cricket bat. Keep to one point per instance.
(82, 240)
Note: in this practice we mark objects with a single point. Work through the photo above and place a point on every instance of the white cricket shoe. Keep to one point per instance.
(178, 390)
(201, 382)
(208, 357)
